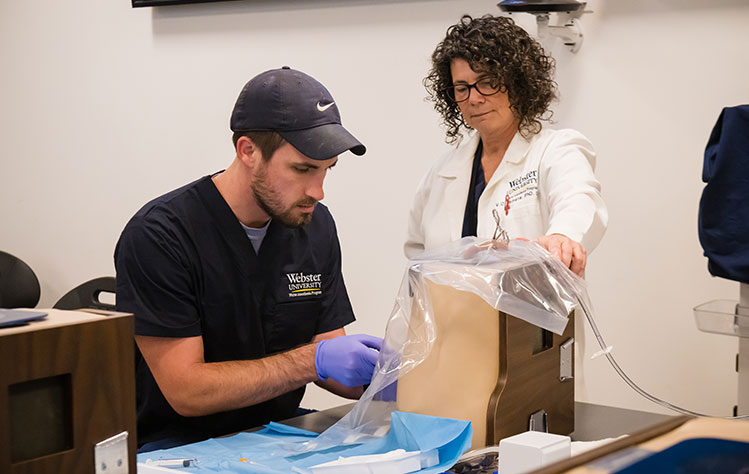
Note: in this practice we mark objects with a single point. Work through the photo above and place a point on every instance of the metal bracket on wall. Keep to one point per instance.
(110, 455)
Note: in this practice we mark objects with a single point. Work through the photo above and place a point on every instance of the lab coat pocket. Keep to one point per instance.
(291, 324)
(524, 221)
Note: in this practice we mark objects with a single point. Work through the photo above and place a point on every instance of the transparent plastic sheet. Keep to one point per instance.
(519, 278)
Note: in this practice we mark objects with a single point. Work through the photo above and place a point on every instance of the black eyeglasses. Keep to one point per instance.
(486, 86)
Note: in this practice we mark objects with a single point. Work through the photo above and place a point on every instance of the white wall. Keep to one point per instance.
(105, 107)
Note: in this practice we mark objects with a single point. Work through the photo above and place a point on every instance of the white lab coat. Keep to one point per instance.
(543, 186)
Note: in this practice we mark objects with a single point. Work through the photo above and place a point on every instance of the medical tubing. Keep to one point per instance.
(663, 403)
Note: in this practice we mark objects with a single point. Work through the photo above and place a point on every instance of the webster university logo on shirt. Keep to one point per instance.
(304, 284)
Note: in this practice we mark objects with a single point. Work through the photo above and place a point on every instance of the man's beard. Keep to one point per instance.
(270, 201)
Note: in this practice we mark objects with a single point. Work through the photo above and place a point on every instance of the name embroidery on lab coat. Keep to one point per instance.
(521, 188)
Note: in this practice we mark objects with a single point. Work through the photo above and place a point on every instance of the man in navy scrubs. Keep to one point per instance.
(235, 279)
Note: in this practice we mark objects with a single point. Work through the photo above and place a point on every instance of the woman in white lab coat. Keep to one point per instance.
(492, 84)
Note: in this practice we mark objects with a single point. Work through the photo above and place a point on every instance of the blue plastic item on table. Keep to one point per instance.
(696, 455)
(278, 448)
(19, 317)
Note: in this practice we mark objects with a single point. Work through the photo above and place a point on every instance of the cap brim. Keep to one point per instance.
(323, 142)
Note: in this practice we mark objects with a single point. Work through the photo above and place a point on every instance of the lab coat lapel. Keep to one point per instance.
(457, 176)
(514, 156)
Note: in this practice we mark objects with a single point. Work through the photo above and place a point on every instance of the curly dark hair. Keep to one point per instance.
(496, 46)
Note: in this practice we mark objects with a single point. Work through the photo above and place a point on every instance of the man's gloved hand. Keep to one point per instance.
(349, 360)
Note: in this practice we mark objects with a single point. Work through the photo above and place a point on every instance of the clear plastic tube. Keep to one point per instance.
(607, 352)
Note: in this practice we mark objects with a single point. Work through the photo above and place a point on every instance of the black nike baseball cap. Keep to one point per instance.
(297, 107)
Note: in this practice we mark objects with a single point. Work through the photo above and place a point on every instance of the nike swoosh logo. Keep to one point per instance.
(323, 108)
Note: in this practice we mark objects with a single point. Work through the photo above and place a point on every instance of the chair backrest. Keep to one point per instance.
(19, 286)
(87, 295)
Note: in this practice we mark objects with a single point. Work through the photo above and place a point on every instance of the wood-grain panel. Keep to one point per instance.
(99, 357)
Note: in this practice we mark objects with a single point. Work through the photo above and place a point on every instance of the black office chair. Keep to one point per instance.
(87, 295)
(19, 286)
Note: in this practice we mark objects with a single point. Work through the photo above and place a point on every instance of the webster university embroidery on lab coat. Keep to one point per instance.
(520, 188)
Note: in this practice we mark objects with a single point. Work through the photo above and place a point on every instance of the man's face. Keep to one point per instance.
(289, 185)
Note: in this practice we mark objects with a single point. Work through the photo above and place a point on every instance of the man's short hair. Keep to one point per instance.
(268, 142)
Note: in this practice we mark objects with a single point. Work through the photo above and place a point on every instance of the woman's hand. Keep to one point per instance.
(571, 253)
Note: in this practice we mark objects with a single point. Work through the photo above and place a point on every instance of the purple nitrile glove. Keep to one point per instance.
(349, 360)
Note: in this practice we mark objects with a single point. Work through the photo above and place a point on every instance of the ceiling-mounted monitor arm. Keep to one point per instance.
(569, 31)
(568, 12)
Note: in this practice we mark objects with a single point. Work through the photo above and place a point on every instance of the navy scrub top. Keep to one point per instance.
(185, 267)
(475, 189)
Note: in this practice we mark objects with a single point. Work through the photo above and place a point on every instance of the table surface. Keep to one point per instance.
(592, 422)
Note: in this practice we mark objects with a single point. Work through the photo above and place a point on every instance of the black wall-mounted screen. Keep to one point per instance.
(161, 3)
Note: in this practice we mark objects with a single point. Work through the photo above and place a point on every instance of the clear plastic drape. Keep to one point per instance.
(519, 278)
